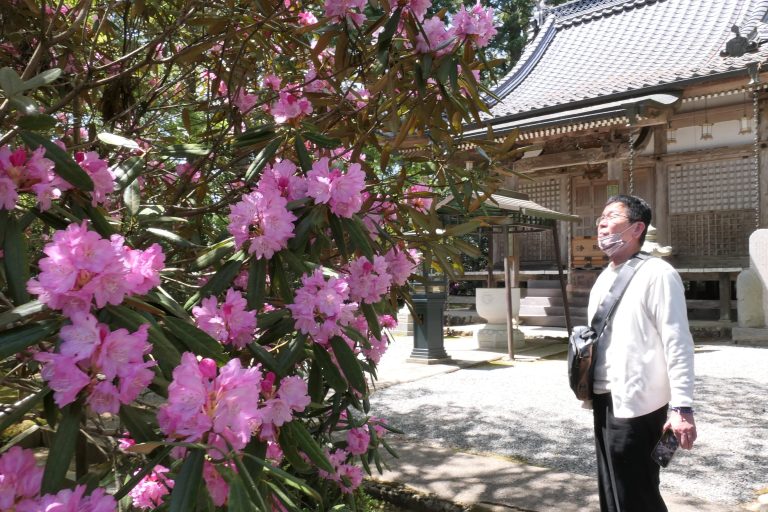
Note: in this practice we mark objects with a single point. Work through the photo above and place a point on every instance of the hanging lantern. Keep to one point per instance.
(671, 134)
(745, 124)
(706, 131)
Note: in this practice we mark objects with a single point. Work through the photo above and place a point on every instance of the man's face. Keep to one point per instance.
(615, 219)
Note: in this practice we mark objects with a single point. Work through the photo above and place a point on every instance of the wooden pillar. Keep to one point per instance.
(725, 295)
(660, 177)
(763, 161)
(616, 173)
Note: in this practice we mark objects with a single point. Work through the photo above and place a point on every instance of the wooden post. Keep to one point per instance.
(508, 296)
(563, 287)
(489, 281)
(725, 296)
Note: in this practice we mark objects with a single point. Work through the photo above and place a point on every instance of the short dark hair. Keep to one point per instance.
(637, 208)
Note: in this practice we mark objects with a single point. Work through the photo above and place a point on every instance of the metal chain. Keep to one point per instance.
(756, 153)
(631, 164)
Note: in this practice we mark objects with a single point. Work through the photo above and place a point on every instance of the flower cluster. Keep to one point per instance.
(418, 196)
(401, 263)
(284, 178)
(212, 405)
(148, 493)
(339, 10)
(98, 169)
(342, 191)
(474, 25)
(82, 268)
(262, 218)
(231, 323)
(23, 171)
(321, 306)
(281, 403)
(346, 475)
(20, 480)
(108, 364)
(368, 280)
(290, 105)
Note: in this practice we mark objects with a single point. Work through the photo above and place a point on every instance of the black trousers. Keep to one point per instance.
(628, 478)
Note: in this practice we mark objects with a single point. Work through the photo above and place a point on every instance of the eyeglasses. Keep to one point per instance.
(609, 217)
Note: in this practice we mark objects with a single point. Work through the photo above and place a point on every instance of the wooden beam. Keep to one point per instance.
(566, 159)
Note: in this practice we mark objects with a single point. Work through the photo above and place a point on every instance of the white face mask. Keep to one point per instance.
(609, 244)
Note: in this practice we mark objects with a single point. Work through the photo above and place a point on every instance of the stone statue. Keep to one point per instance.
(652, 247)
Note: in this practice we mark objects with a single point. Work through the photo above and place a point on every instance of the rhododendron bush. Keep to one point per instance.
(209, 215)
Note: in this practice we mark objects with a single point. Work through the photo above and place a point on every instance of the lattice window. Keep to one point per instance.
(539, 247)
(711, 207)
(705, 186)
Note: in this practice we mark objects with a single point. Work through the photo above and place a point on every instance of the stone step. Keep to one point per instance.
(551, 320)
(542, 292)
(541, 301)
(526, 311)
(543, 283)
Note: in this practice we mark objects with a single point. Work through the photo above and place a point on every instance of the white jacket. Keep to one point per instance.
(645, 358)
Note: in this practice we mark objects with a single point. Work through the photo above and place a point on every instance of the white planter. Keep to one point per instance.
(491, 304)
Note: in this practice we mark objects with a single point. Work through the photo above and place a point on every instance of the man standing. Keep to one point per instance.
(644, 364)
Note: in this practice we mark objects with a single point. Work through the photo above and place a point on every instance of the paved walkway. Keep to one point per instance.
(486, 480)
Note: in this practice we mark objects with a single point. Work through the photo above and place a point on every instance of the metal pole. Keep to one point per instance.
(563, 287)
(508, 296)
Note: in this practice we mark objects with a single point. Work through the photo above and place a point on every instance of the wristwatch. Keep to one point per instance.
(682, 410)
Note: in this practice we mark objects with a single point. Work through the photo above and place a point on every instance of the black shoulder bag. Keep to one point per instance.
(582, 343)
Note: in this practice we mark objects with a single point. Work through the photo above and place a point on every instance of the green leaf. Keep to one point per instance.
(349, 364)
(253, 457)
(132, 197)
(358, 235)
(261, 355)
(280, 280)
(315, 386)
(15, 414)
(322, 140)
(385, 38)
(338, 235)
(17, 339)
(160, 297)
(188, 482)
(185, 150)
(277, 331)
(127, 171)
(238, 496)
(10, 82)
(146, 468)
(62, 449)
(254, 136)
(289, 356)
(36, 122)
(66, 167)
(308, 445)
(16, 261)
(372, 318)
(220, 280)
(117, 140)
(257, 283)
(43, 78)
(198, 342)
(263, 158)
(290, 446)
(100, 223)
(301, 152)
(214, 253)
(330, 371)
(140, 423)
(24, 104)
(171, 237)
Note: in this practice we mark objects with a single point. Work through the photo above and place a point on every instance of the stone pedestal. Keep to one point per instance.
(404, 322)
(491, 305)
(752, 294)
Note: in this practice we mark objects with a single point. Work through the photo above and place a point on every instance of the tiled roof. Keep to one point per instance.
(596, 49)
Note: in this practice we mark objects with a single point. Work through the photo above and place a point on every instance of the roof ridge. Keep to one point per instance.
(577, 8)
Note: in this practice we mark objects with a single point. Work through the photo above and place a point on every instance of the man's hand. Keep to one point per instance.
(684, 427)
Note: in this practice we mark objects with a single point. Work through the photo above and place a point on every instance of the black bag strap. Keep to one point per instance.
(619, 286)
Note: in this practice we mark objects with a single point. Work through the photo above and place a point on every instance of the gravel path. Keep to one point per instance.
(528, 412)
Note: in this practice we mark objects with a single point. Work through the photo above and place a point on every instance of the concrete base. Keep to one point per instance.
(750, 336)
(404, 323)
(494, 336)
(428, 361)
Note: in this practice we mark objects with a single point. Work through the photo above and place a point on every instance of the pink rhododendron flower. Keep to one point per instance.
(204, 406)
(358, 440)
(377, 346)
(359, 97)
(347, 476)
(231, 323)
(475, 25)
(272, 82)
(149, 492)
(73, 500)
(262, 219)
(20, 478)
(418, 196)
(417, 8)
(306, 18)
(438, 36)
(313, 83)
(283, 177)
(23, 171)
(290, 106)
(342, 192)
(293, 390)
(368, 280)
(320, 306)
(338, 10)
(245, 101)
(108, 365)
(98, 169)
(218, 488)
(82, 268)
(401, 264)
